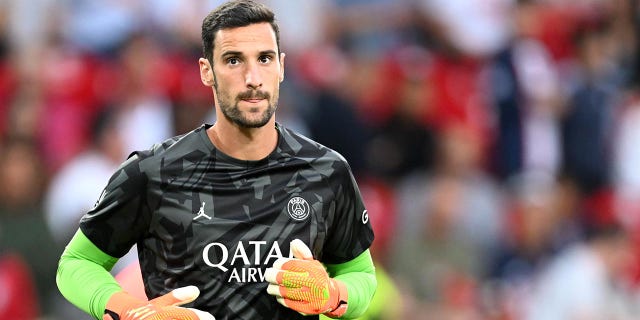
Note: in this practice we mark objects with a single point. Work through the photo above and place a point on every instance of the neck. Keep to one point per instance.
(244, 143)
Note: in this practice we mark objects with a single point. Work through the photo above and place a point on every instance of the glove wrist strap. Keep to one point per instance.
(118, 303)
(341, 308)
(109, 313)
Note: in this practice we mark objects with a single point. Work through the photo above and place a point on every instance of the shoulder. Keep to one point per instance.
(175, 149)
(319, 158)
(300, 146)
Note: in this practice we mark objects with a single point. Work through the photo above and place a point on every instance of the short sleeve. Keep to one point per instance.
(350, 232)
(119, 217)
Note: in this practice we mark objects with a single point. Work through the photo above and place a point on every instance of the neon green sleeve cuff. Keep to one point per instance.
(359, 276)
(83, 275)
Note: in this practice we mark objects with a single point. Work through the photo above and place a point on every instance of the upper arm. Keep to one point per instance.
(120, 216)
(350, 230)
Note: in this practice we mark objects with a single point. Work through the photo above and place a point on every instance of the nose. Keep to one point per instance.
(253, 78)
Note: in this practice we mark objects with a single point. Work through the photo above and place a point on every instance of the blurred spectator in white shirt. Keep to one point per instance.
(475, 27)
(584, 282)
(76, 187)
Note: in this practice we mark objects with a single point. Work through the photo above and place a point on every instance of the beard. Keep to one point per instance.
(231, 111)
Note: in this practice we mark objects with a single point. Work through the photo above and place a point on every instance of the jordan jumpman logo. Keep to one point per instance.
(201, 213)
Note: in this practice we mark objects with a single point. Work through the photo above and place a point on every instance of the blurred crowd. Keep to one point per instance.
(496, 142)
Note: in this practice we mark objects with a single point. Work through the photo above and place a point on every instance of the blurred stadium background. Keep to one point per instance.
(496, 142)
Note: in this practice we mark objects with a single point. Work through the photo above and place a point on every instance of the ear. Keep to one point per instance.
(282, 66)
(206, 72)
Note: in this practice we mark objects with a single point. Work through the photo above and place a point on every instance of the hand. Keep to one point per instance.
(123, 306)
(303, 284)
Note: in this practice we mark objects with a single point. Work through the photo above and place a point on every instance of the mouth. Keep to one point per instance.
(253, 97)
(253, 100)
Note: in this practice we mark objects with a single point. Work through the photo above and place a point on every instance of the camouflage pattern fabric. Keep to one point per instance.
(200, 217)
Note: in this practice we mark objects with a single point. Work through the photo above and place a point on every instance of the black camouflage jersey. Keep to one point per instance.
(200, 217)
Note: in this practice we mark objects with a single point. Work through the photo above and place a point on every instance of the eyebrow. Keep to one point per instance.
(267, 52)
(231, 53)
(240, 54)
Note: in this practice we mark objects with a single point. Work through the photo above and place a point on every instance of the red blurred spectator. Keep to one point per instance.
(8, 84)
(17, 290)
(74, 87)
(451, 90)
(381, 207)
(459, 95)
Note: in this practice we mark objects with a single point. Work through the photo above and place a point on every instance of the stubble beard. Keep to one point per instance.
(232, 112)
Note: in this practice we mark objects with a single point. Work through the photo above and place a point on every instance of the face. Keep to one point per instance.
(246, 74)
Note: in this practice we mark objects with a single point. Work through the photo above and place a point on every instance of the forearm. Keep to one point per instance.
(360, 279)
(83, 275)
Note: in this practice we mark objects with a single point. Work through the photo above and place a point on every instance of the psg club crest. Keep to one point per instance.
(298, 208)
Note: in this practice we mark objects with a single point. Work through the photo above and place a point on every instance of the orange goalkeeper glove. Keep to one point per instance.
(123, 306)
(302, 284)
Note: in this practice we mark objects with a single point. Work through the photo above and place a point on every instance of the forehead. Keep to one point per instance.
(254, 37)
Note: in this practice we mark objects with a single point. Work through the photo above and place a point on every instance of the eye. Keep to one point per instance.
(265, 59)
(233, 60)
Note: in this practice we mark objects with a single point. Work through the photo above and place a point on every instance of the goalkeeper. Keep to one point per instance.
(215, 213)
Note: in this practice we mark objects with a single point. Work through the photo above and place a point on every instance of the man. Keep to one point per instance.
(237, 212)
(588, 279)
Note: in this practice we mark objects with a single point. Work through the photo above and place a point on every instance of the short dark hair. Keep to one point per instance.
(234, 14)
